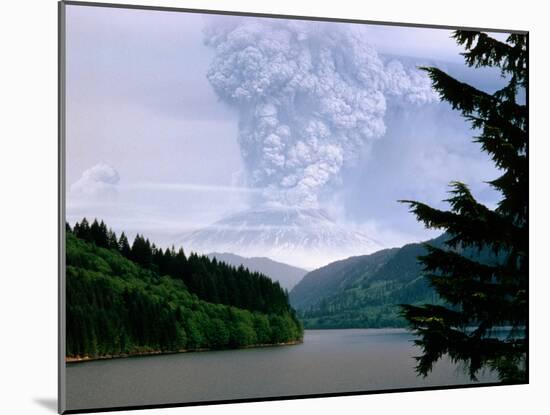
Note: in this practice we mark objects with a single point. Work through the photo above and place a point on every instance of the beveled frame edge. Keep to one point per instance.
(61, 108)
(287, 16)
(62, 200)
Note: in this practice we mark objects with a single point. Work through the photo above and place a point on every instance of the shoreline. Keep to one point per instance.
(82, 359)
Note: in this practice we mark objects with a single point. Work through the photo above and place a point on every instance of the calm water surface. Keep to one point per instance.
(328, 361)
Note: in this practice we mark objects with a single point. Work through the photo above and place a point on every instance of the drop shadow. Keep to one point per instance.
(48, 403)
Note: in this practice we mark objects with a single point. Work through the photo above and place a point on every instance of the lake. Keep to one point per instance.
(328, 361)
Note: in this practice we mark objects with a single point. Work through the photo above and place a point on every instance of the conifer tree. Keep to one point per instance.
(112, 242)
(99, 234)
(141, 251)
(82, 230)
(103, 235)
(481, 296)
(124, 245)
(95, 232)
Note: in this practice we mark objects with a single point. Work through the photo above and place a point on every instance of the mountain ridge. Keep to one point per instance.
(287, 275)
(304, 238)
(364, 291)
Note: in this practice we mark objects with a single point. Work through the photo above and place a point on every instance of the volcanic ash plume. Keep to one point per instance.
(310, 95)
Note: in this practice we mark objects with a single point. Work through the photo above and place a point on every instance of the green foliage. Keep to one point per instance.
(209, 279)
(115, 306)
(375, 305)
(365, 291)
(480, 296)
(142, 252)
(123, 246)
(262, 328)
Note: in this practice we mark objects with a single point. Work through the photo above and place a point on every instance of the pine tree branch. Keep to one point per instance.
(452, 263)
(483, 50)
(442, 331)
(470, 227)
(461, 96)
(515, 188)
(476, 105)
(491, 304)
(505, 154)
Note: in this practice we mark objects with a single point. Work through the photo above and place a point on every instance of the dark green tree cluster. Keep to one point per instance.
(373, 306)
(97, 233)
(209, 279)
(116, 306)
(482, 297)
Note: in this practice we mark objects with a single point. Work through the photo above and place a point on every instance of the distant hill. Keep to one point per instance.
(364, 291)
(335, 277)
(287, 275)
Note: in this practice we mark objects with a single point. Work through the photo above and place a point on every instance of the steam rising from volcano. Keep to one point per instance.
(310, 95)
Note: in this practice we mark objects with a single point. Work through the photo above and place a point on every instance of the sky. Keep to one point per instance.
(176, 120)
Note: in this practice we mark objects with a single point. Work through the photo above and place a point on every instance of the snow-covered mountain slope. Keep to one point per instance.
(307, 238)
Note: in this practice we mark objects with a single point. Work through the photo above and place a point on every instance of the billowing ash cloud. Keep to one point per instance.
(310, 95)
(99, 180)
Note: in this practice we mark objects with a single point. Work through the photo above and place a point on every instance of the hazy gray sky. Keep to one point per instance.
(154, 145)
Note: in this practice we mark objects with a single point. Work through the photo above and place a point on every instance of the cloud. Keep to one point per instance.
(98, 181)
(190, 187)
(310, 95)
(388, 236)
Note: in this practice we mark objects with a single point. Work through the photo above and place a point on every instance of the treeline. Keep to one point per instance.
(210, 280)
(116, 306)
(367, 305)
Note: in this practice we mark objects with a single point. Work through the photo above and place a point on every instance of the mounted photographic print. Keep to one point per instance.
(258, 207)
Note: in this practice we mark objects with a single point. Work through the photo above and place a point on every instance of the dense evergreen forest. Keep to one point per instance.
(366, 291)
(125, 299)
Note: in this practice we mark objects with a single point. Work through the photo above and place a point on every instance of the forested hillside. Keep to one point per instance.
(334, 277)
(124, 299)
(364, 291)
(209, 279)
